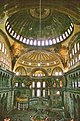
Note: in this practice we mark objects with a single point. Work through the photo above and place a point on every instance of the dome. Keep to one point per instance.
(20, 71)
(57, 71)
(37, 27)
(39, 58)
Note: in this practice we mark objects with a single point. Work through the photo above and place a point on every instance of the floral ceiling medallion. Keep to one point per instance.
(37, 12)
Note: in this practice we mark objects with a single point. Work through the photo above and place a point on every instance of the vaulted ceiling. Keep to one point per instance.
(40, 31)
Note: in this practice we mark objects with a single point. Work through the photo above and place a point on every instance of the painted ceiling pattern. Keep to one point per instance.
(40, 32)
(45, 58)
(39, 28)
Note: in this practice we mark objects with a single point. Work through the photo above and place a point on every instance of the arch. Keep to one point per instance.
(57, 71)
(39, 69)
(20, 70)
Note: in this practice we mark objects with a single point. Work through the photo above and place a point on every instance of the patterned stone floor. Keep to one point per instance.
(24, 115)
(18, 115)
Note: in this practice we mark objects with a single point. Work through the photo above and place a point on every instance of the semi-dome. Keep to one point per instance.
(39, 59)
(37, 27)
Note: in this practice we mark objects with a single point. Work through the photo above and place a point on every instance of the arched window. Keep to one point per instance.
(38, 89)
(38, 84)
(5, 55)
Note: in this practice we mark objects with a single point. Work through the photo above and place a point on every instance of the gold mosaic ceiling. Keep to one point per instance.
(39, 58)
(26, 29)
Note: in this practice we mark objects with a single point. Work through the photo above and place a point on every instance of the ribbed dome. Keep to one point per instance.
(39, 28)
(39, 58)
(57, 71)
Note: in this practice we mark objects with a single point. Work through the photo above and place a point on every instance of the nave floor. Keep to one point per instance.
(24, 115)
(20, 115)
